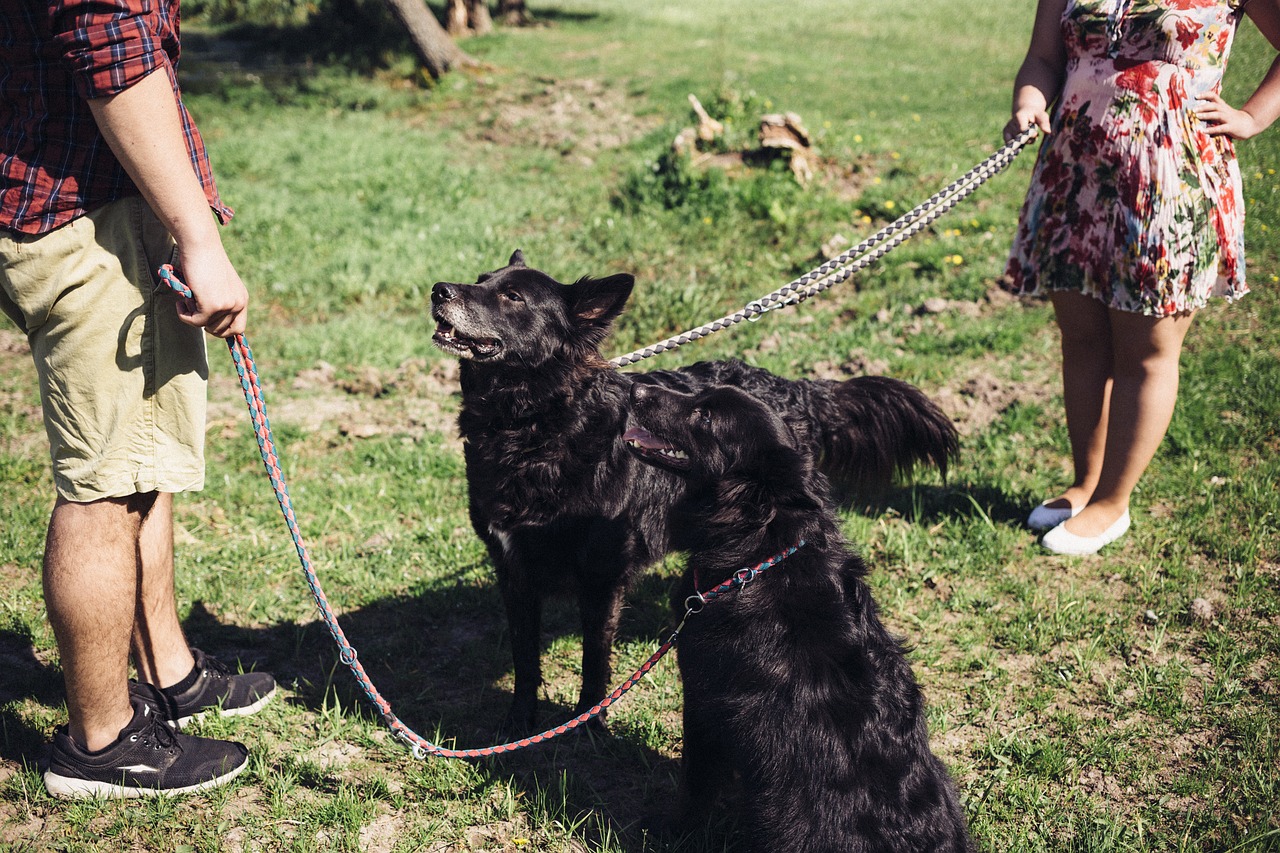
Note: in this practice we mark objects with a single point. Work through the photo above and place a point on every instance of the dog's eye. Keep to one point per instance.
(512, 296)
(702, 417)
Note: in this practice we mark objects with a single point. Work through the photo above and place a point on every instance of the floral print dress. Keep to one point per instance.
(1131, 202)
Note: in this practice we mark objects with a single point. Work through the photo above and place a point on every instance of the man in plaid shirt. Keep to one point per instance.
(103, 178)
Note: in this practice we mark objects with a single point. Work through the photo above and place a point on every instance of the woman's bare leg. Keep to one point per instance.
(1144, 390)
(1087, 360)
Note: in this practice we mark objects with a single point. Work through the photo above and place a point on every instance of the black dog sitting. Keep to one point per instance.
(560, 503)
(791, 682)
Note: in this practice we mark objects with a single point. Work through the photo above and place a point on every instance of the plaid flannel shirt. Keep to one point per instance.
(54, 163)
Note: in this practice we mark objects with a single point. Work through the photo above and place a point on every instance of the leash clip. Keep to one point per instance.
(758, 309)
(693, 604)
(676, 633)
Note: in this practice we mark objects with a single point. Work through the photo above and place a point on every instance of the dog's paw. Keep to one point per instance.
(672, 831)
(662, 827)
(594, 726)
(519, 722)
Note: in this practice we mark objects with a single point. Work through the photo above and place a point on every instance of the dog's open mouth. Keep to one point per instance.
(448, 339)
(648, 446)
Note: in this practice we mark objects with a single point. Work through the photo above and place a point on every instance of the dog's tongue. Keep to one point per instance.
(643, 438)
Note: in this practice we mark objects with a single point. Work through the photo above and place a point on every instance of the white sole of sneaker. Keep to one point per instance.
(226, 712)
(68, 788)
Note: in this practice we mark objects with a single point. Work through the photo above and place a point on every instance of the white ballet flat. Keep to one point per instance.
(1060, 540)
(1045, 518)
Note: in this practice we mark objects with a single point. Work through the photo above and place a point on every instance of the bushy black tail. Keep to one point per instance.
(863, 432)
(873, 429)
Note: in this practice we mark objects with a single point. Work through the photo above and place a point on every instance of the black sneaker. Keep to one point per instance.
(147, 760)
(212, 687)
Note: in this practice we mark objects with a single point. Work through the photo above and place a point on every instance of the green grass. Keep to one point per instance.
(1078, 702)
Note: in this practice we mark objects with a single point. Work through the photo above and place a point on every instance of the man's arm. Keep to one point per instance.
(144, 130)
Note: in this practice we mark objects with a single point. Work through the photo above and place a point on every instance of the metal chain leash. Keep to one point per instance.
(861, 256)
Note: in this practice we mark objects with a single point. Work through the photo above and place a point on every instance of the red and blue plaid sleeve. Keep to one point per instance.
(55, 54)
(109, 45)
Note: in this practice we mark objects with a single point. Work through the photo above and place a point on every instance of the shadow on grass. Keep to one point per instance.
(959, 501)
(441, 660)
(25, 678)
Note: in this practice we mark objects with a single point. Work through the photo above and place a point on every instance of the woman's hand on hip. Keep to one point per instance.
(1222, 119)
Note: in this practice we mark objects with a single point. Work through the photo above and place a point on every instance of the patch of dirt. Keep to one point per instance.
(238, 839)
(13, 576)
(579, 117)
(381, 835)
(333, 754)
(30, 828)
(502, 835)
(843, 180)
(407, 401)
(8, 769)
(973, 402)
(13, 343)
(1093, 780)
(982, 398)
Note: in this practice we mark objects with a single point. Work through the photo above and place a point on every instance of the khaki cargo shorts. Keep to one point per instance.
(122, 380)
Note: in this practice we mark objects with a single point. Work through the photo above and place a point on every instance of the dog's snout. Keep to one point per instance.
(443, 291)
(640, 392)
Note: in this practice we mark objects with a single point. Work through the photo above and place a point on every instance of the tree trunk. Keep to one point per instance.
(468, 18)
(513, 13)
(456, 18)
(481, 23)
(432, 44)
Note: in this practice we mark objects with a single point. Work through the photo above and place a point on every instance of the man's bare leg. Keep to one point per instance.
(90, 592)
(160, 650)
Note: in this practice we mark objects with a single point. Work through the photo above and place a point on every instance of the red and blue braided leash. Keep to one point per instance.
(248, 373)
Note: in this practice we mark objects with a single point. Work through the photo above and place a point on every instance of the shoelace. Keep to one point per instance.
(214, 668)
(156, 734)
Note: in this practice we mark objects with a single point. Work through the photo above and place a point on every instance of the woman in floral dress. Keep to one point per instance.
(1134, 220)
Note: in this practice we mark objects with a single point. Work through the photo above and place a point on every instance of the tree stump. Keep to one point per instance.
(786, 132)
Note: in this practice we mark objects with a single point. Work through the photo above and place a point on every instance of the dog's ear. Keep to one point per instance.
(784, 478)
(517, 259)
(742, 507)
(595, 302)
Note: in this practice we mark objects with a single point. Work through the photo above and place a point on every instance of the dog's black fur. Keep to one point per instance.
(791, 682)
(555, 495)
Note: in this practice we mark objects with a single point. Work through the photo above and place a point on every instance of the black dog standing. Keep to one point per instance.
(791, 682)
(556, 497)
